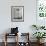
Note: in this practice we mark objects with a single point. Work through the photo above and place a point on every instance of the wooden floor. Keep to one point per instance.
(13, 44)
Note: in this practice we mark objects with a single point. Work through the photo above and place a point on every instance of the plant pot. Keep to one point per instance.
(40, 41)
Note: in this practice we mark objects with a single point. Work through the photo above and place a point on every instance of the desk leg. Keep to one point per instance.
(5, 43)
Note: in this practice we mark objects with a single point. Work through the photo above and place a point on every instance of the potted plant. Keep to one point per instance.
(39, 35)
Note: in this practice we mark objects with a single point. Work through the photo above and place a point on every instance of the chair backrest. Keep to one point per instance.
(14, 30)
(24, 37)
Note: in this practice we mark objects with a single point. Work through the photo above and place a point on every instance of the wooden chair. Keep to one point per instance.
(8, 34)
(24, 36)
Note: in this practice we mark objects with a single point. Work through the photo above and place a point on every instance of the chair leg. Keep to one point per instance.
(5, 39)
(5, 43)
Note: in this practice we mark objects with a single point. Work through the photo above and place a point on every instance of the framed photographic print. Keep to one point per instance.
(41, 12)
(41, 8)
(17, 13)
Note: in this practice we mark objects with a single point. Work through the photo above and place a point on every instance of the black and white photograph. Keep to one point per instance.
(17, 13)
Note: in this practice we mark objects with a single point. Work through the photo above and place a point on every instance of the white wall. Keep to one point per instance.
(29, 15)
